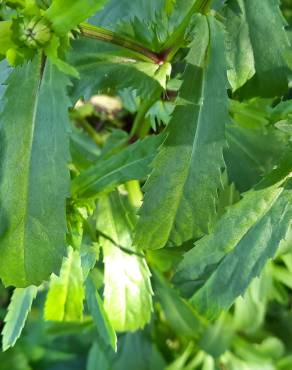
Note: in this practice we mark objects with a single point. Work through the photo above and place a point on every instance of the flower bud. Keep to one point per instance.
(34, 32)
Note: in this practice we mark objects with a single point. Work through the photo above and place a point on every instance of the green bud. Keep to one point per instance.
(34, 32)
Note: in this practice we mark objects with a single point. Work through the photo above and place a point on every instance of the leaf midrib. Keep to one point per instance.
(194, 146)
(29, 165)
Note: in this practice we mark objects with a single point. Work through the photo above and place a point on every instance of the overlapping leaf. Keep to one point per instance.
(34, 176)
(66, 15)
(180, 195)
(256, 157)
(252, 27)
(151, 22)
(66, 293)
(132, 163)
(127, 287)
(95, 306)
(178, 313)
(221, 265)
(106, 67)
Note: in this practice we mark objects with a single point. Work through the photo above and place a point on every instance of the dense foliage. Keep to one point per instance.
(145, 184)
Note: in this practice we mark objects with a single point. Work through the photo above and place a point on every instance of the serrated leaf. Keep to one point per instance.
(18, 310)
(252, 27)
(106, 67)
(100, 319)
(127, 287)
(132, 163)
(34, 178)
(66, 15)
(117, 10)
(180, 195)
(66, 293)
(146, 21)
(222, 264)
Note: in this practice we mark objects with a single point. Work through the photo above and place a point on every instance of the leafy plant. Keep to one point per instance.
(146, 194)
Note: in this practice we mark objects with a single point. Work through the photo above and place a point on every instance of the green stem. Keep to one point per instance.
(102, 34)
(91, 132)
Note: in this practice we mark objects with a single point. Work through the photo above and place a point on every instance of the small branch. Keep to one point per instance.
(91, 132)
(102, 34)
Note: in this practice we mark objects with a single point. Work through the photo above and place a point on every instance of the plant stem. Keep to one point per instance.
(102, 34)
(91, 132)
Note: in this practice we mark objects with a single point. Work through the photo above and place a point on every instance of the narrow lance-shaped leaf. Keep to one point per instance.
(127, 287)
(100, 319)
(34, 180)
(180, 195)
(252, 27)
(66, 15)
(222, 264)
(66, 293)
(18, 310)
(132, 163)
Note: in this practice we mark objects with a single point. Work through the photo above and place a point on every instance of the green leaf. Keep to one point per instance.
(52, 52)
(250, 310)
(35, 177)
(127, 287)
(4, 73)
(256, 156)
(65, 15)
(180, 195)
(138, 352)
(147, 21)
(95, 306)
(98, 358)
(132, 163)
(18, 310)
(5, 37)
(103, 66)
(117, 10)
(66, 293)
(252, 27)
(217, 337)
(221, 265)
(179, 314)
